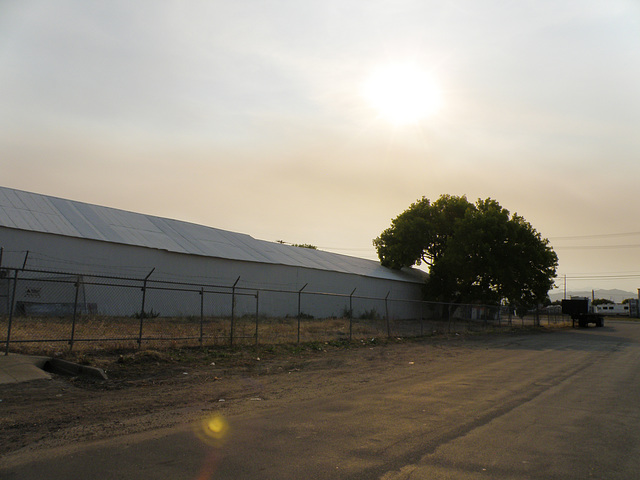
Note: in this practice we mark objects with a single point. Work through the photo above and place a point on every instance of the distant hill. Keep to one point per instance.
(614, 295)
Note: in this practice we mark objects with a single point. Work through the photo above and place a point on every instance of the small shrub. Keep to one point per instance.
(369, 315)
(149, 314)
(144, 356)
(319, 346)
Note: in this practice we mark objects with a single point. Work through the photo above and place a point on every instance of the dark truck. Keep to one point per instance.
(580, 311)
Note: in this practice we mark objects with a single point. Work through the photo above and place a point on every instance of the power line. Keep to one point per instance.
(362, 249)
(566, 237)
(595, 247)
(602, 235)
(559, 247)
(596, 276)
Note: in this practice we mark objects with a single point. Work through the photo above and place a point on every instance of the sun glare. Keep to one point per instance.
(403, 93)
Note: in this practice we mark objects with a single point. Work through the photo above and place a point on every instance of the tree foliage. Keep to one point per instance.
(420, 233)
(478, 253)
(304, 245)
(300, 245)
(602, 301)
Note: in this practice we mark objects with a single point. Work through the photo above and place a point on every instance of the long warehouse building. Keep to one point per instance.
(54, 239)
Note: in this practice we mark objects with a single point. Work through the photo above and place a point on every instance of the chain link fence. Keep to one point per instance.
(44, 310)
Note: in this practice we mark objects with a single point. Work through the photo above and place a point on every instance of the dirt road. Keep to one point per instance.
(151, 390)
(544, 405)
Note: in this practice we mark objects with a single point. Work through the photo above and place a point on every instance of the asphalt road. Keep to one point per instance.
(561, 405)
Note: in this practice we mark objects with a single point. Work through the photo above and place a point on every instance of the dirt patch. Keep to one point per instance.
(155, 389)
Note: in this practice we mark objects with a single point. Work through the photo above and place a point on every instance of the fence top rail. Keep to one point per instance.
(149, 281)
(202, 287)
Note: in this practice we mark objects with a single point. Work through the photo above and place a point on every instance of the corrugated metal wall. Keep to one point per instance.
(90, 257)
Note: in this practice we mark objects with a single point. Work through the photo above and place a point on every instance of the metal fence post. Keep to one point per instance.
(201, 314)
(257, 314)
(13, 301)
(144, 296)
(11, 308)
(3, 274)
(75, 313)
(386, 313)
(299, 309)
(233, 309)
(351, 314)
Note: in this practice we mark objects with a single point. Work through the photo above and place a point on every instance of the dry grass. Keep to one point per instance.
(46, 335)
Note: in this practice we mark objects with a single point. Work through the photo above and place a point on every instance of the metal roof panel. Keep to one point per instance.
(30, 211)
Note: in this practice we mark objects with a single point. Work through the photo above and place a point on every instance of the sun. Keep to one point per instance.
(402, 93)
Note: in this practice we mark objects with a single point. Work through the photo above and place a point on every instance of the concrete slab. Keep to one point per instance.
(63, 367)
(16, 368)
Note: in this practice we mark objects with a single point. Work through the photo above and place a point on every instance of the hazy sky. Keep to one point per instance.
(255, 116)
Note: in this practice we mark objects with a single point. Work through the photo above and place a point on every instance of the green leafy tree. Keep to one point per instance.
(300, 245)
(602, 301)
(479, 253)
(419, 234)
(304, 245)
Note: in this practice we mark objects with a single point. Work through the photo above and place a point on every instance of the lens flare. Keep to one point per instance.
(212, 430)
